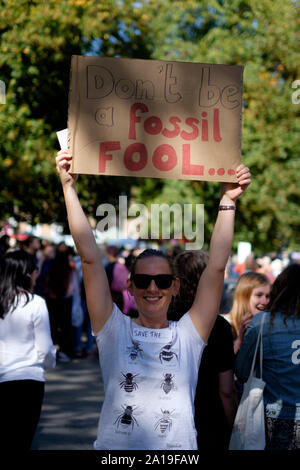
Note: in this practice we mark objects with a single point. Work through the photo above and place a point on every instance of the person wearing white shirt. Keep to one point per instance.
(150, 365)
(26, 349)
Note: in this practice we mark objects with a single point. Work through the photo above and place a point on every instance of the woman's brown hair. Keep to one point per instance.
(189, 266)
(150, 253)
(285, 293)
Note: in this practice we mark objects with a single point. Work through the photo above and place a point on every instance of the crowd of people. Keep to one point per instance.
(175, 329)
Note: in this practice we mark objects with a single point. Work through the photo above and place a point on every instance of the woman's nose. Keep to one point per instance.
(152, 286)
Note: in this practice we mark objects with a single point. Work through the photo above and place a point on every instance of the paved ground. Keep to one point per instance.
(72, 403)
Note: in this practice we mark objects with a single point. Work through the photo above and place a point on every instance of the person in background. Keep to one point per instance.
(129, 302)
(265, 267)
(251, 263)
(80, 316)
(4, 244)
(26, 349)
(32, 245)
(216, 398)
(281, 360)
(117, 275)
(251, 295)
(88, 348)
(62, 247)
(59, 302)
(46, 260)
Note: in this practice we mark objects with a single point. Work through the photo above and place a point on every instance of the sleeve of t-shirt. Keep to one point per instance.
(186, 323)
(192, 338)
(111, 328)
(43, 342)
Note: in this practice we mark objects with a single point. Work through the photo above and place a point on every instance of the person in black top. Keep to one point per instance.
(216, 398)
(4, 244)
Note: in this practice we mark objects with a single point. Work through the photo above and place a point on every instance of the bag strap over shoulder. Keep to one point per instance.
(259, 340)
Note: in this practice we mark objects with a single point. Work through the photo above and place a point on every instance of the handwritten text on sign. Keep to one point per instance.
(153, 118)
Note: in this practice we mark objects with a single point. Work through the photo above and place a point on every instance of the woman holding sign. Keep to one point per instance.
(149, 364)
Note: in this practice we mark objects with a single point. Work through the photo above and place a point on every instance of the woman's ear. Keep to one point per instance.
(129, 286)
(176, 286)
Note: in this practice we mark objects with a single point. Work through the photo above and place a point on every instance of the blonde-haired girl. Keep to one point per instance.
(251, 296)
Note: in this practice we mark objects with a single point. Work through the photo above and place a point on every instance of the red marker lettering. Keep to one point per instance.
(195, 131)
(216, 126)
(162, 151)
(134, 118)
(175, 132)
(103, 156)
(153, 125)
(136, 148)
(187, 168)
(204, 130)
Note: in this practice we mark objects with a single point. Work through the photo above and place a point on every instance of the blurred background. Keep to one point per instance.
(37, 41)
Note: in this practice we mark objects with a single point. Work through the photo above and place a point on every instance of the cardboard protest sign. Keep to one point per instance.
(158, 119)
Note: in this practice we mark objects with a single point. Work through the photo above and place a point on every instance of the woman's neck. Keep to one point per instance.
(154, 324)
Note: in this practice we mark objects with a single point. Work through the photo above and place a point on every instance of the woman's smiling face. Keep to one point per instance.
(259, 299)
(153, 301)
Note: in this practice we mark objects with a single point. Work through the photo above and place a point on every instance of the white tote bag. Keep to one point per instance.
(249, 426)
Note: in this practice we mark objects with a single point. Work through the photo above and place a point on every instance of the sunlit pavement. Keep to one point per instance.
(72, 403)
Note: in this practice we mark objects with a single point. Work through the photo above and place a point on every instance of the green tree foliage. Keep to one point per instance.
(262, 35)
(37, 41)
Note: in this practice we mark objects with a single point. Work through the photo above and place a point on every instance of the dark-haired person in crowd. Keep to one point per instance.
(31, 245)
(4, 244)
(281, 360)
(117, 275)
(26, 349)
(59, 302)
(47, 256)
(216, 398)
(150, 364)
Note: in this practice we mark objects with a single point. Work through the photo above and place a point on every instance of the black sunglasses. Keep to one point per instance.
(142, 281)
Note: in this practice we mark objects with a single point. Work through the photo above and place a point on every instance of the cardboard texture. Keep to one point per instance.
(150, 118)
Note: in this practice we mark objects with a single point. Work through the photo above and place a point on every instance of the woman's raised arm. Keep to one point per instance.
(98, 294)
(207, 300)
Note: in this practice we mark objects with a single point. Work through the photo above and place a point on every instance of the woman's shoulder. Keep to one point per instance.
(34, 304)
(26, 298)
(37, 299)
(259, 317)
(257, 320)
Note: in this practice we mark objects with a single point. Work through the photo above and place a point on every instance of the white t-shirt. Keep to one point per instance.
(150, 377)
(26, 346)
